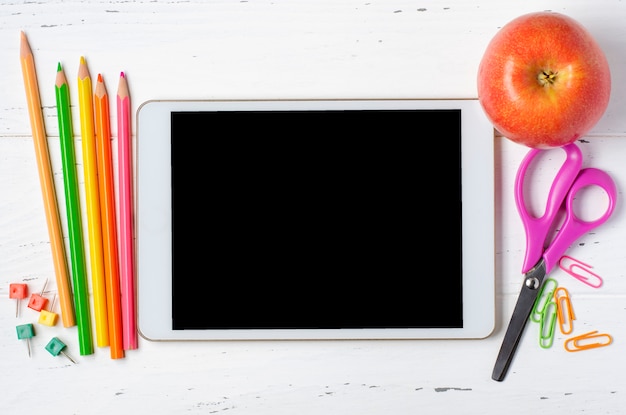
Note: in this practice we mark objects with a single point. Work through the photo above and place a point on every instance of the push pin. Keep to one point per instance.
(48, 317)
(19, 292)
(56, 346)
(38, 301)
(25, 331)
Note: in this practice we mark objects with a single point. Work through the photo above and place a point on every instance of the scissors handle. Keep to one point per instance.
(537, 227)
(574, 227)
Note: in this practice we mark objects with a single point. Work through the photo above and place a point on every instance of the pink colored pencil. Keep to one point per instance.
(127, 275)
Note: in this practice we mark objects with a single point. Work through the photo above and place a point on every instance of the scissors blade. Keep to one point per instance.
(530, 289)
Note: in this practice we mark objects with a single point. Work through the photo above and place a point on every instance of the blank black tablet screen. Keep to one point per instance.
(316, 219)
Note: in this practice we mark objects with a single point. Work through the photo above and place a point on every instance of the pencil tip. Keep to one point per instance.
(122, 74)
(100, 78)
(24, 46)
(60, 78)
(83, 72)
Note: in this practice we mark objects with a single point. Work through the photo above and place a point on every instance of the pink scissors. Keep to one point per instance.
(540, 259)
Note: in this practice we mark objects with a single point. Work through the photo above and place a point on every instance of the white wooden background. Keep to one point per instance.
(302, 49)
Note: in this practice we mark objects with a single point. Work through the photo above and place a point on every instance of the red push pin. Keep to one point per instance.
(19, 292)
(38, 301)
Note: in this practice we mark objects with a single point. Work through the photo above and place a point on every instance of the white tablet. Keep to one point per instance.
(315, 219)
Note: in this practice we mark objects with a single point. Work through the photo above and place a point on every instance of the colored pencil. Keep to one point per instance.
(92, 199)
(124, 157)
(46, 179)
(107, 212)
(74, 224)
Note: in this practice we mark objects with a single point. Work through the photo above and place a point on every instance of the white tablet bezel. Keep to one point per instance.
(153, 220)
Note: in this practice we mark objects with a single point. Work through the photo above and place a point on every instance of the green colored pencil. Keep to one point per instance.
(72, 202)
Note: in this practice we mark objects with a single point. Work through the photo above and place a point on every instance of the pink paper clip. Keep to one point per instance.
(595, 282)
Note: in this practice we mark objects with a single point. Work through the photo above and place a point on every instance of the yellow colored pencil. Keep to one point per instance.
(46, 178)
(92, 196)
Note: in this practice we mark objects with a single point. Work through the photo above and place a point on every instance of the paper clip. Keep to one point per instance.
(595, 282)
(565, 312)
(547, 324)
(578, 343)
(543, 298)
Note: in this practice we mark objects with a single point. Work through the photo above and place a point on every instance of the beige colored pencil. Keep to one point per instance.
(47, 183)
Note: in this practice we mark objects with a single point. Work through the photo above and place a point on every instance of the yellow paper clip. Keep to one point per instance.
(565, 312)
(587, 341)
(590, 278)
(547, 324)
(543, 298)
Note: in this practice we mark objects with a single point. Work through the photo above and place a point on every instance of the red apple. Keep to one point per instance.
(543, 80)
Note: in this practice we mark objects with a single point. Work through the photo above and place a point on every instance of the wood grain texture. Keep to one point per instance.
(303, 49)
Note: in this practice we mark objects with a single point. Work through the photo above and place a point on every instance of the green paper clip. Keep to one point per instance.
(547, 325)
(543, 298)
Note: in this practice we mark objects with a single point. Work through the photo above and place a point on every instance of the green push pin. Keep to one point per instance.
(56, 346)
(25, 331)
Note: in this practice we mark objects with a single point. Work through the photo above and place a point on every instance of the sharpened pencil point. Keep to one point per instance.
(83, 72)
(60, 78)
(100, 78)
(122, 74)
(24, 46)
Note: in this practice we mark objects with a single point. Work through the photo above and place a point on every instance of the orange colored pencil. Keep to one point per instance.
(46, 178)
(107, 210)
